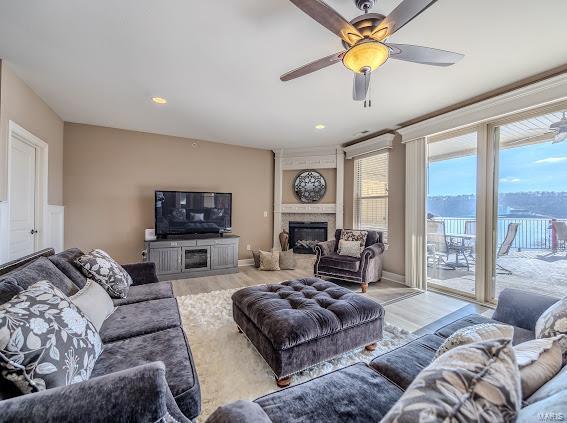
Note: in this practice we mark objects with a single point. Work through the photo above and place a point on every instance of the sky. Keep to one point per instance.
(539, 167)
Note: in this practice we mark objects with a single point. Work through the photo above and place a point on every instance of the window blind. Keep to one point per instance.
(371, 193)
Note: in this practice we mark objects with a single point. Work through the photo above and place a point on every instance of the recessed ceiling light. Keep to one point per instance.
(159, 100)
(320, 126)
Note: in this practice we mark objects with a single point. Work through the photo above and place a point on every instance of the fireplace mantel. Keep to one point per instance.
(308, 158)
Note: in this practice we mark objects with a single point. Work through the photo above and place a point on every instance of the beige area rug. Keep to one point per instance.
(228, 366)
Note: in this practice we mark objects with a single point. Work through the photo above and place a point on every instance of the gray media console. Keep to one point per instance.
(191, 258)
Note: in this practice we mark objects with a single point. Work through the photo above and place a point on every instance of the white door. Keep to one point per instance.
(22, 192)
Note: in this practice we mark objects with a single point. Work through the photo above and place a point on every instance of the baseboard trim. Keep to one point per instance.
(245, 262)
(394, 277)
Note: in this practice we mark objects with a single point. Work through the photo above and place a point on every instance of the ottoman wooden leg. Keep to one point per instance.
(283, 382)
(371, 347)
(364, 287)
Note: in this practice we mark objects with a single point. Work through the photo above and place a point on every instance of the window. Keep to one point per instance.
(371, 193)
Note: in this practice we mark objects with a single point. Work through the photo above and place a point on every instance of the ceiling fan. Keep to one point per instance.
(364, 39)
(558, 129)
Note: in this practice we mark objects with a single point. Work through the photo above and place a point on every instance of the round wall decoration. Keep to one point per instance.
(309, 186)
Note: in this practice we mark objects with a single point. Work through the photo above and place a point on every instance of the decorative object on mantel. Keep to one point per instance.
(284, 240)
(309, 186)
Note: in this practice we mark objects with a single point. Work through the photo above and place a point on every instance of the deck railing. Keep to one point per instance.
(533, 234)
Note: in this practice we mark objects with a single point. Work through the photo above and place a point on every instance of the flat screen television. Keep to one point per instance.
(181, 213)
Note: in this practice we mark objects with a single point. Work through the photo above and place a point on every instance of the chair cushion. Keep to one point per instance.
(520, 335)
(147, 292)
(137, 319)
(8, 289)
(42, 270)
(335, 261)
(302, 310)
(353, 394)
(64, 262)
(403, 364)
(169, 346)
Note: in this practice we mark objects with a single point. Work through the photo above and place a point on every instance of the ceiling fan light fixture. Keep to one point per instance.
(370, 55)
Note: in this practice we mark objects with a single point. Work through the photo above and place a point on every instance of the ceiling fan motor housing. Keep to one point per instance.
(364, 4)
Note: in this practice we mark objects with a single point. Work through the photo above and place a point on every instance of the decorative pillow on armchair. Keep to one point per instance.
(100, 267)
(349, 248)
(472, 383)
(45, 341)
(352, 235)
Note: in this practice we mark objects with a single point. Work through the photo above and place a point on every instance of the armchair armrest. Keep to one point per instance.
(325, 248)
(139, 394)
(142, 273)
(521, 308)
(373, 251)
(239, 412)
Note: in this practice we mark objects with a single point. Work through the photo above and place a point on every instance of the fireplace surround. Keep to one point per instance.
(303, 236)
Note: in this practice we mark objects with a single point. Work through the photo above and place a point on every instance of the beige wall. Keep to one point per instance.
(394, 257)
(20, 104)
(288, 178)
(110, 177)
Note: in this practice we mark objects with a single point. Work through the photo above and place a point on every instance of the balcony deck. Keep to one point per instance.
(540, 271)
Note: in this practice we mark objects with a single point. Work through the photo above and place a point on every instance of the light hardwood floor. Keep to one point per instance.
(405, 307)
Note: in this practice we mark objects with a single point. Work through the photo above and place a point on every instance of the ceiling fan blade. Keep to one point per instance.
(313, 66)
(360, 87)
(424, 55)
(401, 15)
(330, 19)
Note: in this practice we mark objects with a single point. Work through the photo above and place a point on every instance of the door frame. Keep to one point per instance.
(15, 131)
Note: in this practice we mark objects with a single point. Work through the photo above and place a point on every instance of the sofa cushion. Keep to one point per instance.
(302, 310)
(476, 333)
(520, 335)
(169, 346)
(45, 340)
(336, 261)
(474, 382)
(553, 408)
(150, 291)
(553, 322)
(137, 319)
(401, 365)
(65, 262)
(8, 289)
(554, 386)
(102, 268)
(42, 270)
(353, 394)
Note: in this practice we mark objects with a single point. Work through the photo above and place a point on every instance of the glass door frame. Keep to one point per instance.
(481, 210)
(492, 184)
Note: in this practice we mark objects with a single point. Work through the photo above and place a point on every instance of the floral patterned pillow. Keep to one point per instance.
(45, 341)
(351, 235)
(553, 322)
(100, 267)
(472, 383)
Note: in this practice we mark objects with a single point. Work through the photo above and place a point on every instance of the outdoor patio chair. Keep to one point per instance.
(560, 230)
(438, 246)
(505, 247)
(470, 229)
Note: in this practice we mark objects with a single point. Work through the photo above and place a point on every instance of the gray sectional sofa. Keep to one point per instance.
(145, 372)
(365, 393)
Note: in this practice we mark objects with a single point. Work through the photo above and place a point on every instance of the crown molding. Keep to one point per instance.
(372, 145)
(535, 95)
(307, 152)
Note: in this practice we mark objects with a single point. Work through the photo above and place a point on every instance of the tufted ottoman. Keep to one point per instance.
(297, 324)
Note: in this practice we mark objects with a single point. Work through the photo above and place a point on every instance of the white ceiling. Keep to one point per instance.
(218, 63)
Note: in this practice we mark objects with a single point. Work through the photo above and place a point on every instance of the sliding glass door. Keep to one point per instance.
(530, 214)
(452, 212)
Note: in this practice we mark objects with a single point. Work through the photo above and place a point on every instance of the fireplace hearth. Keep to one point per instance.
(303, 236)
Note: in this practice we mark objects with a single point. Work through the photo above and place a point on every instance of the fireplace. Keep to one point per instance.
(303, 236)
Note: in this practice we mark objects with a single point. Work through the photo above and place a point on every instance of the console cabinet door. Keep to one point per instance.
(167, 260)
(224, 256)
